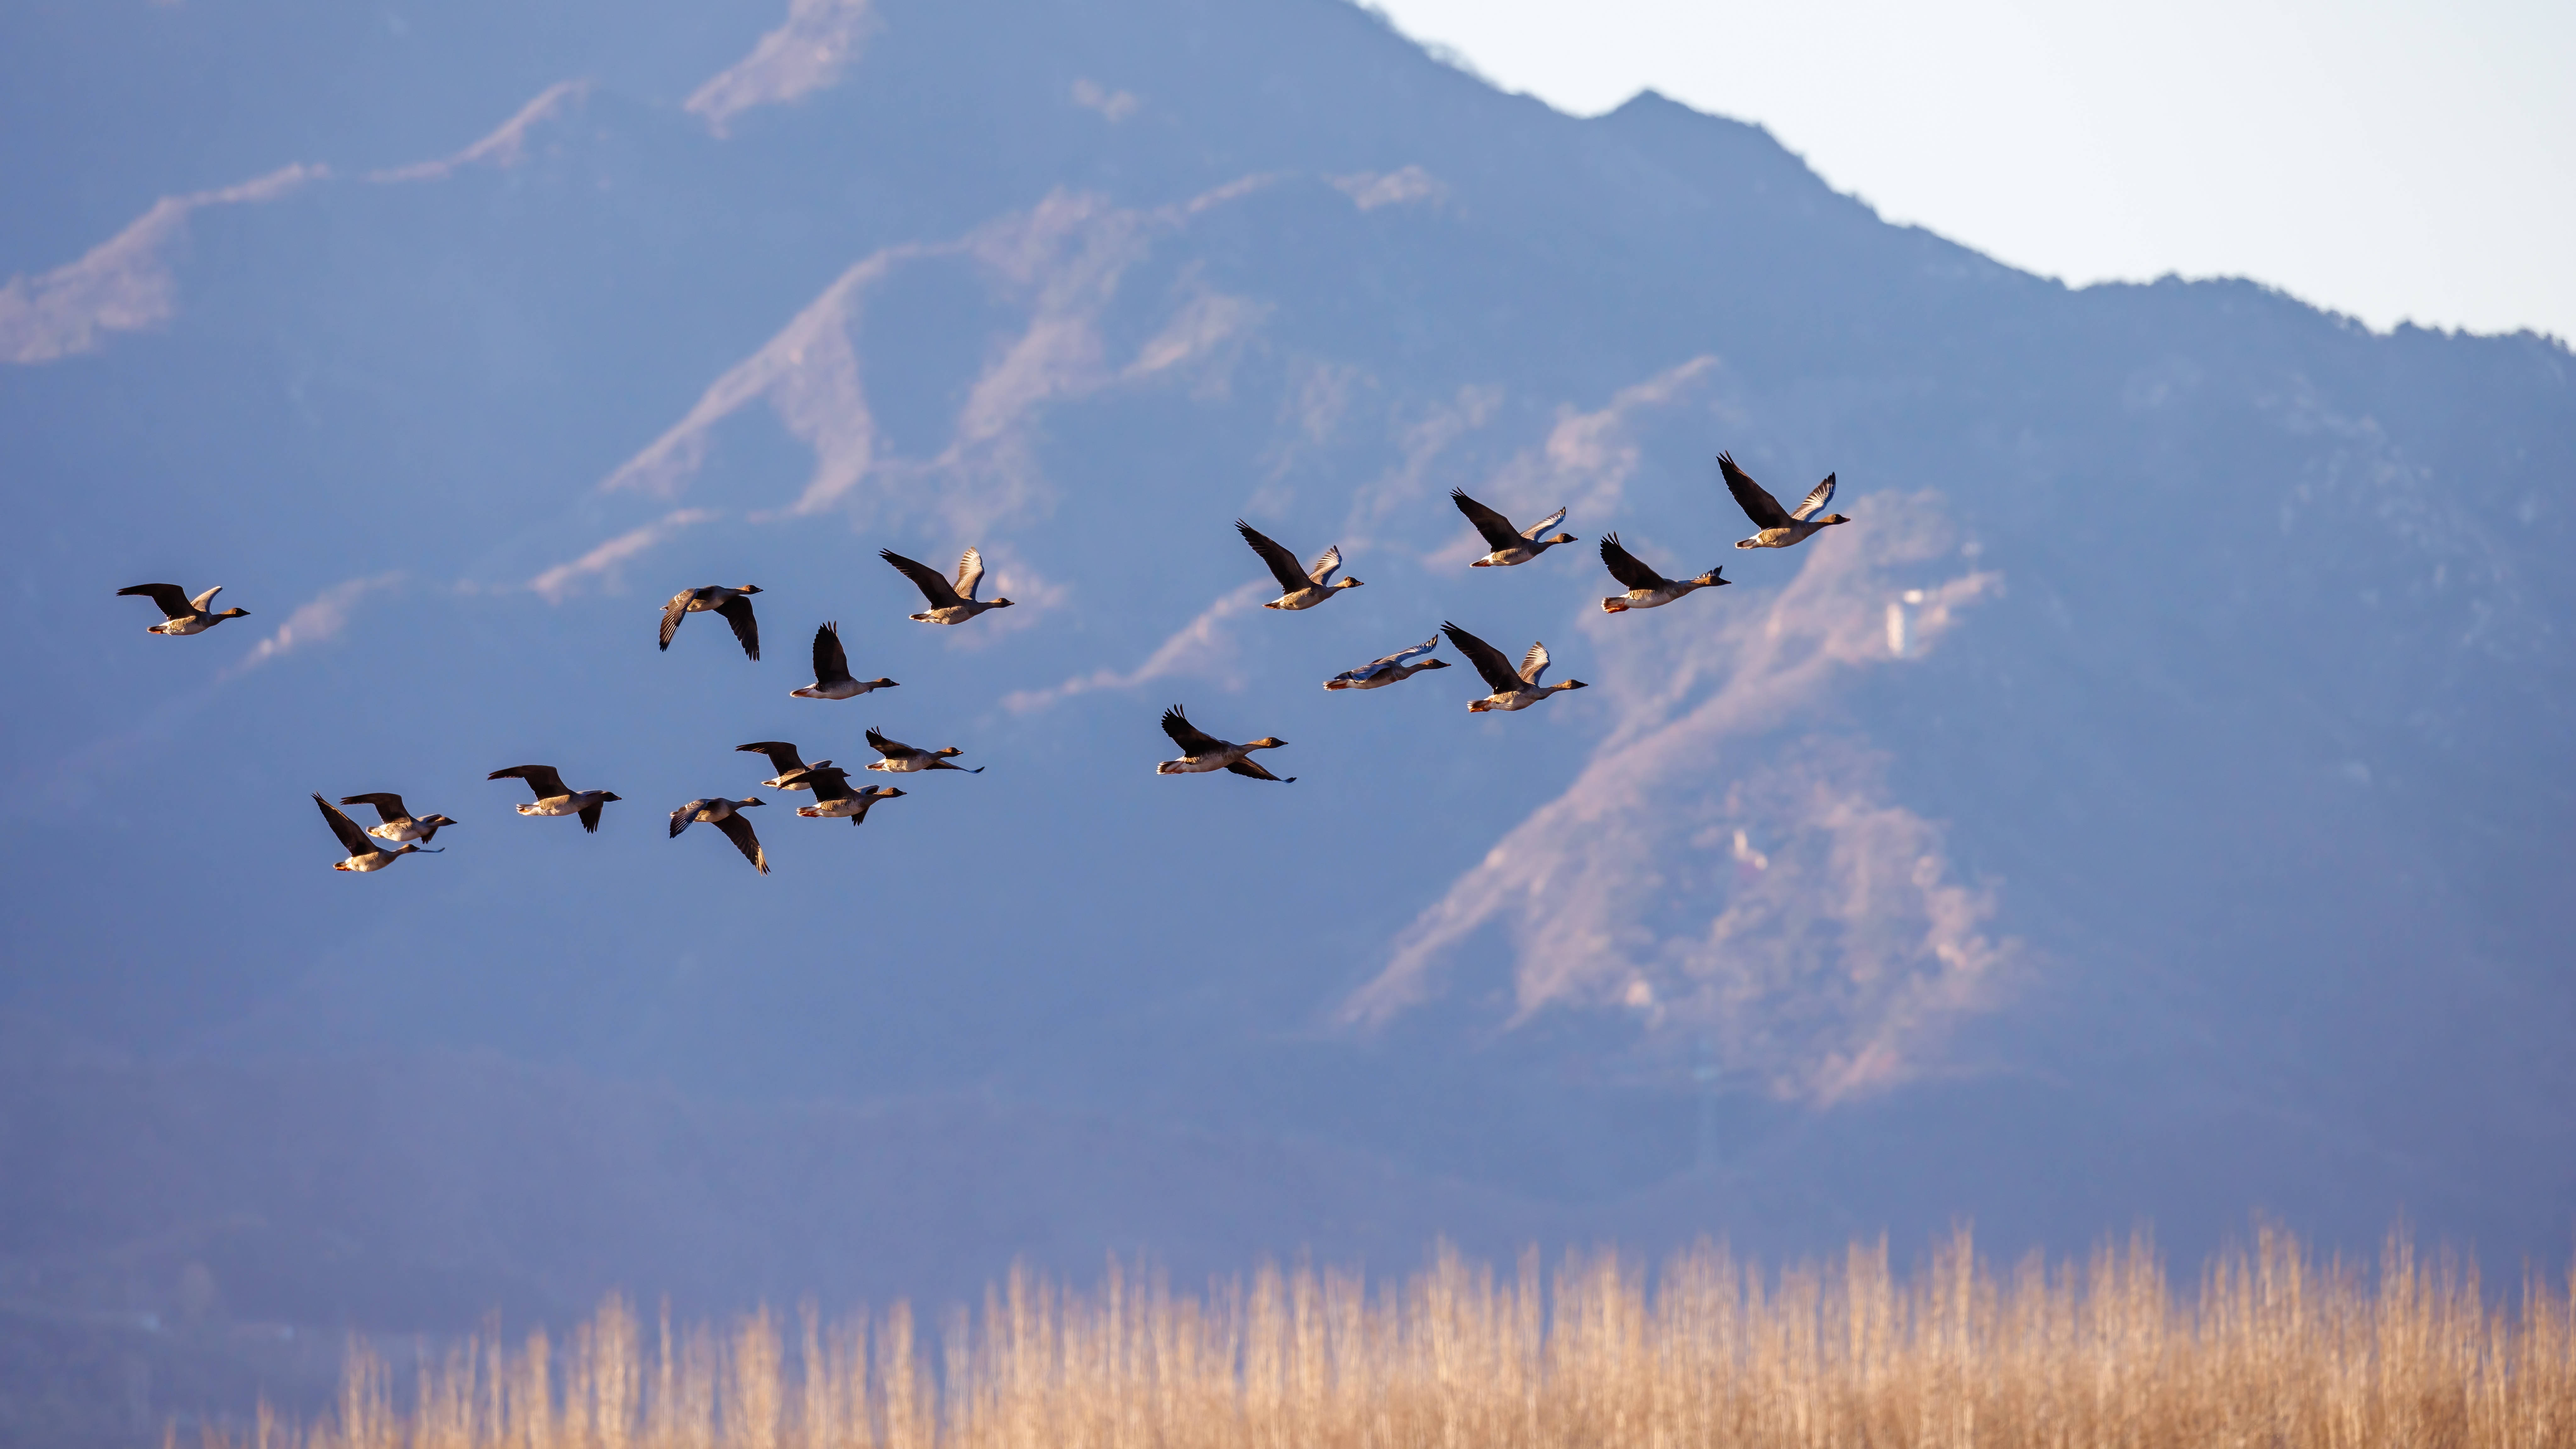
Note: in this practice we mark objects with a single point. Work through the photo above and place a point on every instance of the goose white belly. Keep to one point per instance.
(1200, 764)
(1517, 699)
(398, 831)
(1781, 537)
(178, 627)
(372, 860)
(1646, 598)
(558, 805)
(848, 807)
(953, 613)
(910, 765)
(850, 689)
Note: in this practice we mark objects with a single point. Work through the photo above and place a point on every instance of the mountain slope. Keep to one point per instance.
(2149, 807)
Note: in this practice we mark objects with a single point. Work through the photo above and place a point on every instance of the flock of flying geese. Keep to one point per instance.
(953, 601)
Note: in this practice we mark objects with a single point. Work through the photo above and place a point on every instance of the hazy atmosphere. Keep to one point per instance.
(2148, 813)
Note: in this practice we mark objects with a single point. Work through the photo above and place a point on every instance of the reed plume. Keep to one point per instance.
(2271, 1347)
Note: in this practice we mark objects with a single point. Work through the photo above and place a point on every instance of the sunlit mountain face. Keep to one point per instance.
(2151, 808)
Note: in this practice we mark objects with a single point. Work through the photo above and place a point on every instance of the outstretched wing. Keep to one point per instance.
(388, 805)
(590, 816)
(746, 629)
(1543, 525)
(970, 572)
(1624, 566)
(782, 755)
(830, 783)
(1325, 562)
(352, 839)
(831, 661)
(1381, 665)
(1192, 740)
(925, 578)
(1254, 771)
(1283, 564)
(1401, 656)
(200, 602)
(170, 599)
(673, 612)
(1534, 664)
(540, 778)
(738, 830)
(1823, 495)
(1497, 529)
(1489, 661)
(1761, 507)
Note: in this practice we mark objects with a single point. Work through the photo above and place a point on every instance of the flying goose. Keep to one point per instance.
(1510, 546)
(1778, 529)
(181, 614)
(399, 824)
(903, 759)
(949, 603)
(1305, 587)
(365, 852)
(1202, 752)
(724, 815)
(792, 769)
(1393, 669)
(1647, 589)
(553, 798)
(835, 800)
(832, 670)
(1513, 689)
(733, 603)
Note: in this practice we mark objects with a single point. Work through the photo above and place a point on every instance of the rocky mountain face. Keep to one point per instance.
(2150, 809)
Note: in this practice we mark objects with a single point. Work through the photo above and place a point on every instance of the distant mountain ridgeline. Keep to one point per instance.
(2151, 805)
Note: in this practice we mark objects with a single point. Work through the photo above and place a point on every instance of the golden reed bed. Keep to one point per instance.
(2270, 1348)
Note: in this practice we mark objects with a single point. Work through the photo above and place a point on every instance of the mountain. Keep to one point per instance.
(2149, 809)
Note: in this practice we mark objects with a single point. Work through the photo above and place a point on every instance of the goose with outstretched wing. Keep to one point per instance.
(365, 851)
(724, 815)
(950, 603)
(1302, 587)
(1777, 527)
(835, 800)
(1647, 589)
(832, 677)
(1508, 545)
(553, 797)
(1395, 668)
(181, 615)
(789, 767)
(732, 603)
(1203, 753)
(1513, 689)
(399, 824)
(903, 759)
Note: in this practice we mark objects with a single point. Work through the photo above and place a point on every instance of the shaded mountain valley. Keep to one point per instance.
(2152, 808)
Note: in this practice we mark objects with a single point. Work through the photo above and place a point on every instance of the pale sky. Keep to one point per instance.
(2389, 159)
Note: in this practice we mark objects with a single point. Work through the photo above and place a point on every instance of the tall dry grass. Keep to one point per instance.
(2271, 1348)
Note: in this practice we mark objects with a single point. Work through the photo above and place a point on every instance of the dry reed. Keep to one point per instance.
(2272, 1348)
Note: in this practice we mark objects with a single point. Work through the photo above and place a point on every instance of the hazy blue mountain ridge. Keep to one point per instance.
(2199, 851)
